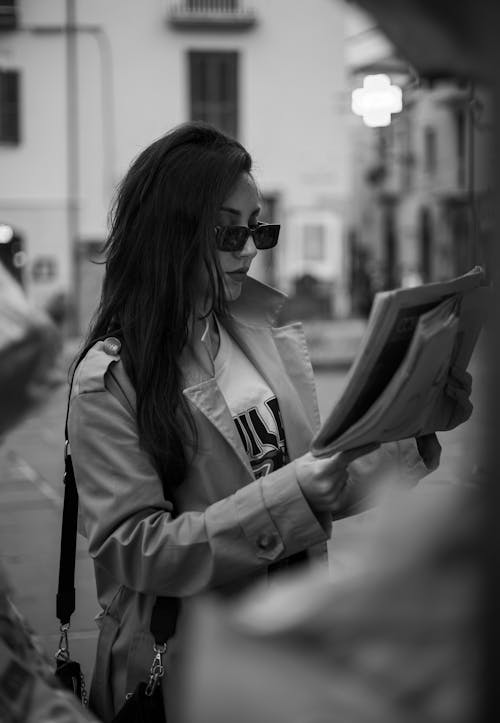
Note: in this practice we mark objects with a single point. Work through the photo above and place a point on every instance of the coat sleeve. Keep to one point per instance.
(399, 460)
(396, 465)
(130, 528)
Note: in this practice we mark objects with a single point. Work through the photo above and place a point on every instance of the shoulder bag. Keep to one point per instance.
(146, 702)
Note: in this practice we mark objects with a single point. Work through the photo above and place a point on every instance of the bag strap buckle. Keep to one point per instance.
(63, 649)
(157, 670)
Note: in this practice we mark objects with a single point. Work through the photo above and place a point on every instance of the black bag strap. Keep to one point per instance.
(65, 598)
(165, 610)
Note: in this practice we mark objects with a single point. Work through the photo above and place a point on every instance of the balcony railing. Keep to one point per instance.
(211, 14)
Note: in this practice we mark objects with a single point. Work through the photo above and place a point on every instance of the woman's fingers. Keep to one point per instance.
(323, 480)
(329, 484)
(329, 490)
(430, 450)
(462, 378)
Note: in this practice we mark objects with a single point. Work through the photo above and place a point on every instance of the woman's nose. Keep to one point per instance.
(249, 249)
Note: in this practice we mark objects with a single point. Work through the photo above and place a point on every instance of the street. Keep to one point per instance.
(31, 459)
(31, 492)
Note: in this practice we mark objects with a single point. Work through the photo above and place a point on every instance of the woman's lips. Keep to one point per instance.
(239, 276)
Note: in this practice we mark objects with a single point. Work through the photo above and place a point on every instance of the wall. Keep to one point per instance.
(132, 87)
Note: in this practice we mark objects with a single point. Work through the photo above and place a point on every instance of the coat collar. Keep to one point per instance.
(250, 323)
(257, 306)
(258, 303)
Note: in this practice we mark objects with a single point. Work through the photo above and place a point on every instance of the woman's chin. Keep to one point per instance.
(232, 289)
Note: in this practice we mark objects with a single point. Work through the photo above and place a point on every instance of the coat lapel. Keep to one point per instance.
(202, 390)
(292, 347)
(280, 356)
(259, 345)
(208, 399)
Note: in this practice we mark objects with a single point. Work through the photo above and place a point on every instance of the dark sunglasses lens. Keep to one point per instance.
(265, 237)
(231, 238)
(234, 238)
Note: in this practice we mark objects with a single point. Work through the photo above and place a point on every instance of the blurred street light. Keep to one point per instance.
(377, 100)
(6, 233)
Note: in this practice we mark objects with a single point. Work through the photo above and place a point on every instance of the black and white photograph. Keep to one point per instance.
(249, 361)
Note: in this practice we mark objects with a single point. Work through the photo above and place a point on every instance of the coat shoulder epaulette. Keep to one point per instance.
(91, 371)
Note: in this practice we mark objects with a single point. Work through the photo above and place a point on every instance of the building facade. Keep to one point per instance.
(85, 85)
(421, 184)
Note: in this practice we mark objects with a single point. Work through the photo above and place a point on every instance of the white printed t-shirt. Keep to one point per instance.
(253, 405)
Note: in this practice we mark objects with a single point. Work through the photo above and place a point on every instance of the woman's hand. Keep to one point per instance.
(458, 390)
(454, 406)
(323, 481)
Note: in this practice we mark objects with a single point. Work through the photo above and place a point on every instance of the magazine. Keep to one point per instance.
(396, 382)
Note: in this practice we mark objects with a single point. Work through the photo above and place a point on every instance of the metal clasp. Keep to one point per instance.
(63, 651)
(157, 670)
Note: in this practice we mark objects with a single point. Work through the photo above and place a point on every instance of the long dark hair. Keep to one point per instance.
(160, 245)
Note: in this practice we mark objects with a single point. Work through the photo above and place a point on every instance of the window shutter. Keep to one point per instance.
(9, 107)
(8, 15)
(213, 78)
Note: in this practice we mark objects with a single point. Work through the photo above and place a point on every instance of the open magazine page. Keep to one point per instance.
(389, 333)
(408, 400)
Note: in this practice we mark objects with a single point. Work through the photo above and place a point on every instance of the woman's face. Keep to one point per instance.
(240, 208)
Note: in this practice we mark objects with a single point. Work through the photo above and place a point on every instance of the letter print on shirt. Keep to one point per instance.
(253, 406)
(262, 434)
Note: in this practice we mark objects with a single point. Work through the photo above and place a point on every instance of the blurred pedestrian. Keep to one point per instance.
(191, 415)
(28, 349)
(29, 690)
(398, 640)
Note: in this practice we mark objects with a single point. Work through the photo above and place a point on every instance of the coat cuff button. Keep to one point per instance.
(266, 542)
(112, 345)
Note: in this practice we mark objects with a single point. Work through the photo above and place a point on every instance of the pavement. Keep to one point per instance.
(31, 464)
(31, 493)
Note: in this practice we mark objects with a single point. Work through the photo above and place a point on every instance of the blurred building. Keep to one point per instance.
(86, 84)
(421, 190)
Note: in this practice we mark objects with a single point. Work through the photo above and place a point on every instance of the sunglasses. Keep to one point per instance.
(234, 238)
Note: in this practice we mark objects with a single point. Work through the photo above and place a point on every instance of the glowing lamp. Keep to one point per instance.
(377, 100)
(6, 233)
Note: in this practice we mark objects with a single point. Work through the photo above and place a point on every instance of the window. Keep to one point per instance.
(430, 151)
(213, 78)
(386, 137)
(426, 245)
(9, 107)
(44, 268)
(8, 19)
(314, 242)
(267, 258)
(461, 136)
(12, 254)
(390, 248)
(407, 154)
(460, 228)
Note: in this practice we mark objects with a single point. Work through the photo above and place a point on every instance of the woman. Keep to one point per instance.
(190, 414)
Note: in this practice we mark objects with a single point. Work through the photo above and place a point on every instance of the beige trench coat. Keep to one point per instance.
(228, 527)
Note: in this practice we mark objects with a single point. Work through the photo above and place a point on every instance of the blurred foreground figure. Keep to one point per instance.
(28, 347)
(29, 691)
(394, 642)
